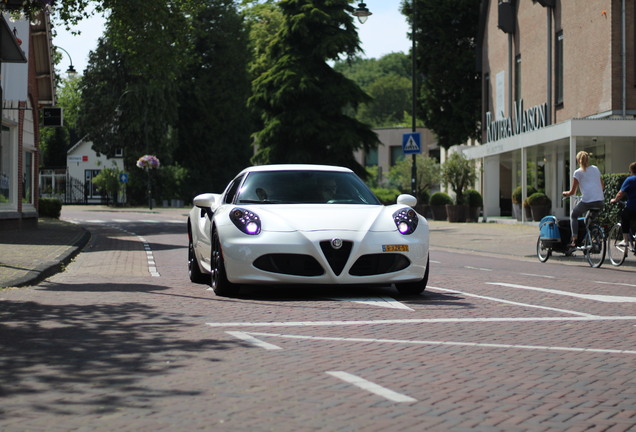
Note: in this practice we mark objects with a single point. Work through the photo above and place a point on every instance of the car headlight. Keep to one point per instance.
(245, 220)
(406, 220)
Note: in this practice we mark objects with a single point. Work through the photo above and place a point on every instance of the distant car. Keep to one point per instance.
(305, 224)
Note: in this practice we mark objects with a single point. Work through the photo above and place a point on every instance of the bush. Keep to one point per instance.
(386, 196)
(473, 198)
(516, 194)
(50, 207)
(440, 198)
(539, 198)
(611, 213)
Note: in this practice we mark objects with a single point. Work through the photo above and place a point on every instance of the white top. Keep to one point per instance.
(589, 183)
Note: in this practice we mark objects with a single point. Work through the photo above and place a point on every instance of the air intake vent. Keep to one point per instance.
(337, 258)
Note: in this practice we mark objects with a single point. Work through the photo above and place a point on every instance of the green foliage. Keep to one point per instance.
(108, 181)
(539, 198)
(518, 192)
(449, 88)
(440, 198)
(473, 198)
(388, 81)
(301, 100)
(459, 173)
(172, 182)
(385, 195)
(50, 207)
(611, 212)
(214, 138)
(428, 175)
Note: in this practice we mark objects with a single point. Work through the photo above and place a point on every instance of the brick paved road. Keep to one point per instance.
(494, 345)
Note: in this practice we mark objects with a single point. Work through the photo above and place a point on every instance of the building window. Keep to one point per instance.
(371, 158)
(558, 69)
(518, 78)
(27, 178)
(486, 94)
(6, 168)
(397, 154)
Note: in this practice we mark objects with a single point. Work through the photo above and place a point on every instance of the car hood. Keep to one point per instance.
(330, 217)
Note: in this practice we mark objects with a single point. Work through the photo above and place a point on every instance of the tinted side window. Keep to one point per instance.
(232, 189)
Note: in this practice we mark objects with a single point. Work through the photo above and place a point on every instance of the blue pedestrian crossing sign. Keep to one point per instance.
(411, 143)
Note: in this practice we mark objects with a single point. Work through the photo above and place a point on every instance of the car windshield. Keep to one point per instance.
(305, 187)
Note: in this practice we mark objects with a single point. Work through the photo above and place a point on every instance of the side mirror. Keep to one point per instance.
(407, 200)
(206, 200)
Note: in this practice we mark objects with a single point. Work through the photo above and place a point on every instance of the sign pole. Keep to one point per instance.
(414, 97)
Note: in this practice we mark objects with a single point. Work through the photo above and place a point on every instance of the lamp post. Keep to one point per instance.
(414, 99)
(363, 13)
(71, 72)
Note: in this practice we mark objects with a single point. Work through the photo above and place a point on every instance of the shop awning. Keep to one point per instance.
(10, 51)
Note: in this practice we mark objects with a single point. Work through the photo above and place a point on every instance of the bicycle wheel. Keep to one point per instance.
(594, 246)
(617, 254)
(543, 252)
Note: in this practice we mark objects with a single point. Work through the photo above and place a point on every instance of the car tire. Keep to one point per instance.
(194, 271)
(412, 288)
(219, 282)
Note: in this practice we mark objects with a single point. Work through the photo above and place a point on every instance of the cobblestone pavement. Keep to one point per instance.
(104, 346)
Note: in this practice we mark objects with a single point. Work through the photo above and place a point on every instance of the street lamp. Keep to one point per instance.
(362, 13)
(71, 72)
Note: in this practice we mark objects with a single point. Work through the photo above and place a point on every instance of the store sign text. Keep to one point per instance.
(524, 121)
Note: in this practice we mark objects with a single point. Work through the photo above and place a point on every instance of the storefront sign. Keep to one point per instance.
(523, 121)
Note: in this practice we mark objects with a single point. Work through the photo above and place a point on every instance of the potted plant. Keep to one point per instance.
(459, 173)
(438, 203)
(540, 205)
(475, 203)
(517, 204)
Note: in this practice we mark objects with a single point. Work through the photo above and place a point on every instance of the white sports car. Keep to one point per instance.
(305, 224)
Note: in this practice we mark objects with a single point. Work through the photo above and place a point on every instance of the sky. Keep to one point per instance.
(384, 32)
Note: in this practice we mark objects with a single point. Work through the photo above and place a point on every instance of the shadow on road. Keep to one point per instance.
(92, 356)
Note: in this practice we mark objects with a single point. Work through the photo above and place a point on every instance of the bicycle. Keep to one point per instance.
(618, 253)
(592, 243)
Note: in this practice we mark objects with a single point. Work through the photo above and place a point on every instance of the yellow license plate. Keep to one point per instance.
(395, 248)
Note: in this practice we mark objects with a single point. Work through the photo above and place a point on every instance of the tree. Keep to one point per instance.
(391, 99)
(214, 122)
(428, 175)
(301, 99)
(459, 173)
(449, 87)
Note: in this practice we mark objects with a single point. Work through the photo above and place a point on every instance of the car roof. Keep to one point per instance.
(295, 167)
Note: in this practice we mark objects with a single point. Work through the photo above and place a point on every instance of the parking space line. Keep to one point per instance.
(594, 297)
(254, 341)
(387, 302)
(446, 343)
(571, 312)
(371, 387)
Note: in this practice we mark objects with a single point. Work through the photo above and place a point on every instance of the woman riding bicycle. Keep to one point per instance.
(628, 189)
(587, 178)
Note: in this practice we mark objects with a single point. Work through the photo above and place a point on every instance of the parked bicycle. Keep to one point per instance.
(591, 241)
(617, 250)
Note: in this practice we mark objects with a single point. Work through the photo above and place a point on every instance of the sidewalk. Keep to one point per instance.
(28, 256)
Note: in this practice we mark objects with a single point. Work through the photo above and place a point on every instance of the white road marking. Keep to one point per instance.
(447, 343)
(386, 302)
(615, 283)
(477, 268)
(514, 303)
(594, 297)
(371, 387)
(254, 341)
(586, 318)
(537, 275)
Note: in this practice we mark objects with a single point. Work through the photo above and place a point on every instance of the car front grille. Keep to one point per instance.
(374, 264)
(291, 264)
(337, 258)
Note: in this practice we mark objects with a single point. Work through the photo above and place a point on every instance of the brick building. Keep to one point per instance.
(558, 77)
